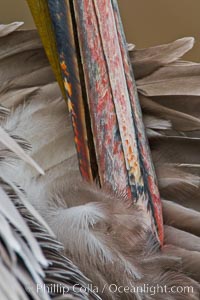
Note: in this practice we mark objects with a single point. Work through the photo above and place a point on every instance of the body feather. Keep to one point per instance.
(105, 235)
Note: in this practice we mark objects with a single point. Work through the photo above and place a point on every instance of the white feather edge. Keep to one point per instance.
(9, 28)
(14, 147)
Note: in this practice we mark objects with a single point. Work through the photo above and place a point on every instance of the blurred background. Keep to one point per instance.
(146, 22)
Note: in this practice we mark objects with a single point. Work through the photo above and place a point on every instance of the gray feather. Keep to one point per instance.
(146, 61)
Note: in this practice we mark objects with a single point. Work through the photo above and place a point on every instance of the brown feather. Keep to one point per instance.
(190, 260)
(181, 217)
(185, 240)
(180, 121)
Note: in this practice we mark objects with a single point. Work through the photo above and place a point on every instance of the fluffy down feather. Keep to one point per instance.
(31, 259)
